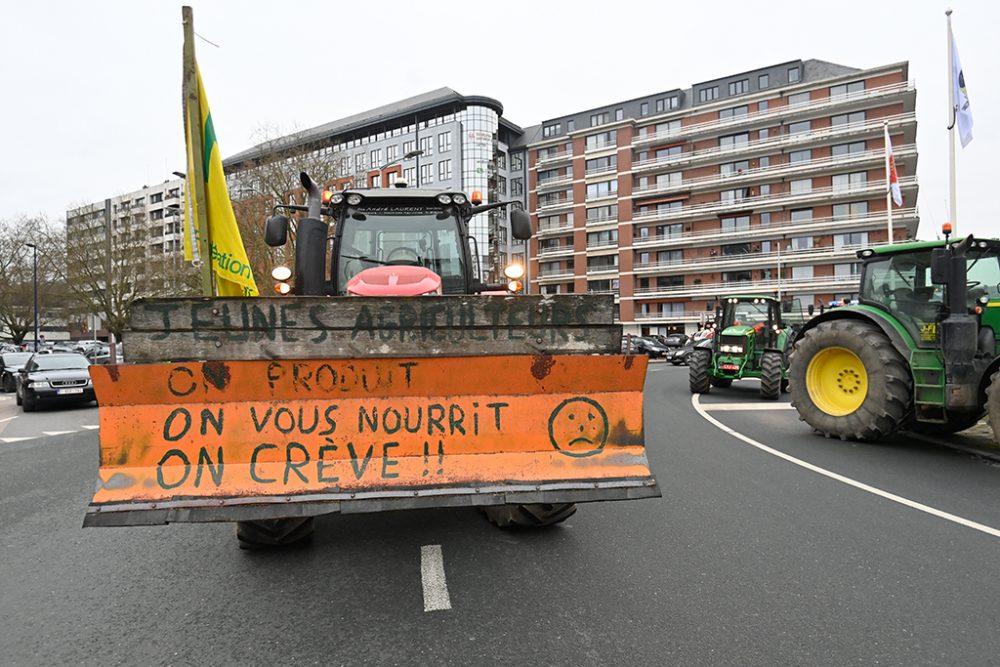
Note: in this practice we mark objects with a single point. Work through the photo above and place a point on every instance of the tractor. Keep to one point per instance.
(750, 342)
(918, 352)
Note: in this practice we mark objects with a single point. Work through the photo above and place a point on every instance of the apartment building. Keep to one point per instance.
(764, 181)
(440, 139)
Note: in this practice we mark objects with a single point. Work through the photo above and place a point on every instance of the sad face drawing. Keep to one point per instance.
(578, 427)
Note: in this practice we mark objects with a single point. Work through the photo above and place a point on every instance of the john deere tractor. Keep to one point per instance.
(749, 342)
(919, 352)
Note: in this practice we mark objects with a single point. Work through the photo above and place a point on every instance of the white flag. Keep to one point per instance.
(960, 98)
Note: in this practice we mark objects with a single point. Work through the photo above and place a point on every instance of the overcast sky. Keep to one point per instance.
(91, 90)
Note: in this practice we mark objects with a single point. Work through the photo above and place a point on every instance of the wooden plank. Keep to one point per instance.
(364, 313)
(291, 343)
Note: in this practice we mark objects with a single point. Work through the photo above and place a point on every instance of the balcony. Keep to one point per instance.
(684, 317)
(561, 276)
(755, 260)
(554, 183)
(604, 221)
(813, 197)
(786, 285)
(552, 158)
(554, 205)
(775, 143)
(560, 251)
(602, 245)
(777, 171)
(554, 230)
(601, 171)
(601, 271)
(901, 217)
(778, 114)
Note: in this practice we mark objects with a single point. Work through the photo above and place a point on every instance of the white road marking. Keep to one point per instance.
(845, 480)
(9, 440)
(724, 407)
(57, 432)
(90, 427)
(7, 419)
(432, 575)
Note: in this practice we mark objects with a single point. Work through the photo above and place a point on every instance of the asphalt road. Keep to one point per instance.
(748, 559)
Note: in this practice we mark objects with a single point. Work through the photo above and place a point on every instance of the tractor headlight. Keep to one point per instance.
(353, 199)
(336, 199)
(459, 199)
(444, 199)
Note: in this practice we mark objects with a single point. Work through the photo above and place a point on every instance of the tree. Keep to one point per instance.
(17, 308)
(272, 177)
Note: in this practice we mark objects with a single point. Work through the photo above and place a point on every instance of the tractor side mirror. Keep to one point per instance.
(520, 224)
(939, 266)
(276, 231)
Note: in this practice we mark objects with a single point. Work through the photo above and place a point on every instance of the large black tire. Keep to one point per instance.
(270, 533)
(993, 405)
(770, 376)
(957, 423)
(887, 402)
(529, 516)
(722, 383)
(17, 398)
(698, 376)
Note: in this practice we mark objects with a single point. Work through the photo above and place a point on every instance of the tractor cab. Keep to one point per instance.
(748, 325)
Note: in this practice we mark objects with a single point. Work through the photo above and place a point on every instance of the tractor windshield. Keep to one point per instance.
(415, 236)
(902, 284)
(745, 313)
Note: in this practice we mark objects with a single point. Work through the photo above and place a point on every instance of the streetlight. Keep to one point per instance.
(408, 156)
(34, 281)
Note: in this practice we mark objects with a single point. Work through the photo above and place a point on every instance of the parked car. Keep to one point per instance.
(679, 355)
(52, 379)
(10, 364)
(674, 339)
(648, 345)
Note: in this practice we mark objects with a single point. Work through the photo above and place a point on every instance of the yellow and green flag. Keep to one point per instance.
(229, 262)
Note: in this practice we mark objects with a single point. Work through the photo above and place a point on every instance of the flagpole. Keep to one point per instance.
(952, 122)
(192, 119)
(888, 180)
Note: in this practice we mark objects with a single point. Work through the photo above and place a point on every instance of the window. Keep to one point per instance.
(664, 180)
(848, 149)
(410, 174)
(673, 102)
(661, 105)
(734, 112)
(602, 263)
(670, 257)
(605, 238)
(426, 174)
(408, 146)
(376, 158)
(857, 209)
(763, 133)
(762, 105)
(800, 156)
(391, 153)
(444, 170)
(801, 186)
(763, 81)
(736, 249)
(734, 168)
(552, 130)
(602, 189)
(502, 160)
(444, 142)
(359, 162)
(802, 127)
(600, 164)
(765, 190)
(516, 187)
(843, 182)
(847, 270)
(802, 214)
(598, 119)
(156, 198)
(669, 127)
(667, 152)
(602, 214)
(601, 140)
(392, 178)
(157, 214)
(793, 74)
(734, 140)
(801, 243)
(765, 220)
(708, 94)
(802, 272)
(798, 99)
(571, 125)
(848, 118)
(501, 182)
(847, 88)
(375, 181)
(602, 285)
(733, 196)
(427, 146)
(516, 161)
(850, 239)
(735, 224)
(644, 109)
(736, 277)
(739, 87)
(619, 114)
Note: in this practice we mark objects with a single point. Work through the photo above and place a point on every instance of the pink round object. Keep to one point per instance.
(396, 280)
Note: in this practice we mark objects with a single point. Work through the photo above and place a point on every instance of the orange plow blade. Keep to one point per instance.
(250, 440)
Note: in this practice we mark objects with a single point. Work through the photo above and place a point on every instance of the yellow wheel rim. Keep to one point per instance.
(837, 381)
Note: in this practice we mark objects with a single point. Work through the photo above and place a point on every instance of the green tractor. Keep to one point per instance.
(919, 352)
(749, 342)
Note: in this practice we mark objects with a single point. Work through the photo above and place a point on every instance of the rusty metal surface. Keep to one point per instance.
(257, 439)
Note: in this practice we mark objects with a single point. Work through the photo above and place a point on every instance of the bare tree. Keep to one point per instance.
(273, 178)
(17, 308)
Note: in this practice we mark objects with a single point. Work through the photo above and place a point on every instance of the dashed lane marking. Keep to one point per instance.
(7, 419)
(842, 479)
(730, 407)
(436, 596)
(10, 440)
(90, 427)
(57, 432)
(85, 427)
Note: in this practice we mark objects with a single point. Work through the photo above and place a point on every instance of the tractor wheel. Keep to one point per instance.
(722, 383)
(993, 405)
(954, 425)
(770, 376)
(270, 533)
(698, 377)
(529, 516)
(848, 381)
